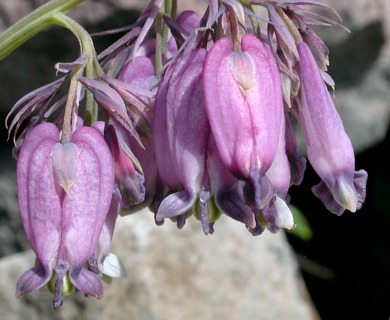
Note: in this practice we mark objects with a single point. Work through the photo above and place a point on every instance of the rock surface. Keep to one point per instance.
(178, 274)
(171, 273)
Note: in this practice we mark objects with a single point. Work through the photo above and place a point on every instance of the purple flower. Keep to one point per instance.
(181, 120)
(243, 98)
(329, 148)
(64, 194)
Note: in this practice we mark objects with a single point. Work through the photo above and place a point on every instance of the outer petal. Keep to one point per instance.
(175, 204)
(32, 280)
(187, 131)
(162, 149)
(88, 282)
(188, 128)
(86, 205)
(39, 202)
(139, 73)
(189, 20)
(108, 263)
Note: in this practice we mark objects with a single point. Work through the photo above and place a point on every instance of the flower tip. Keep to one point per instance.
(66, 185)
(346, 196)
(65, 157)
(112, 266)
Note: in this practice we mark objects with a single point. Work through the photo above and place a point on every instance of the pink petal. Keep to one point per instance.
(39, 197)
(86, 205)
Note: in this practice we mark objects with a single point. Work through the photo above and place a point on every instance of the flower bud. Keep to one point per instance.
(329, 148)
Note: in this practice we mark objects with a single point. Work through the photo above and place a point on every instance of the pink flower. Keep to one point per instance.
(181, 134)
(243, 98)
(64, 194)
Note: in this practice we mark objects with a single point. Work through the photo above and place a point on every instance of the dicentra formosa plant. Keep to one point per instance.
(196, 117)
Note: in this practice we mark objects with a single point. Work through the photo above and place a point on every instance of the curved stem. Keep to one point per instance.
(92, 67)
(32, 24)
(158, 51)
(291, 27)
(71, 100)
(234, 28)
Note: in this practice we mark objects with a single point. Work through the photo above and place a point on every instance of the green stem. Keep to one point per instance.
(164, 33)
(32, 24)
(290, 25)
(70, 102)
(174, 9)
(234, 28)
(158, 54)
(92, 65)
(253, 20)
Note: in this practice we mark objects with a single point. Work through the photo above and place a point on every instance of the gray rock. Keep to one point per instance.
(179, 274)
(360, 66)
(12, 236)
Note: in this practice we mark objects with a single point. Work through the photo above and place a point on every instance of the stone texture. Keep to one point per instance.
(12, 236)
(171, 273)
(179, 274)
(360, 66)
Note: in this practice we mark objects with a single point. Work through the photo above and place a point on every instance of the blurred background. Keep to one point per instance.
(344, 261)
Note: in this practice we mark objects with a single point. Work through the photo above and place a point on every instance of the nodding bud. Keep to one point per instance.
(329, 148)
(129, 181)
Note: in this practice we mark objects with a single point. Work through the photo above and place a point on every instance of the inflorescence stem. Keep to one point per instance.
(32, 24)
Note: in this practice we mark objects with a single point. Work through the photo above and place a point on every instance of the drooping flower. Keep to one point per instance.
(180, 113)
(64, 194)
(329, 148)
(243, 98)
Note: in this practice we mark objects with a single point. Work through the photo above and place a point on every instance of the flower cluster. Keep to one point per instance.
(198, 116)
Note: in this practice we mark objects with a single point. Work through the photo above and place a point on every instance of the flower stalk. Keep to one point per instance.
(32, 24)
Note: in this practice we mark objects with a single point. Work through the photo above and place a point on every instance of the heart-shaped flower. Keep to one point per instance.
(64, 194)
